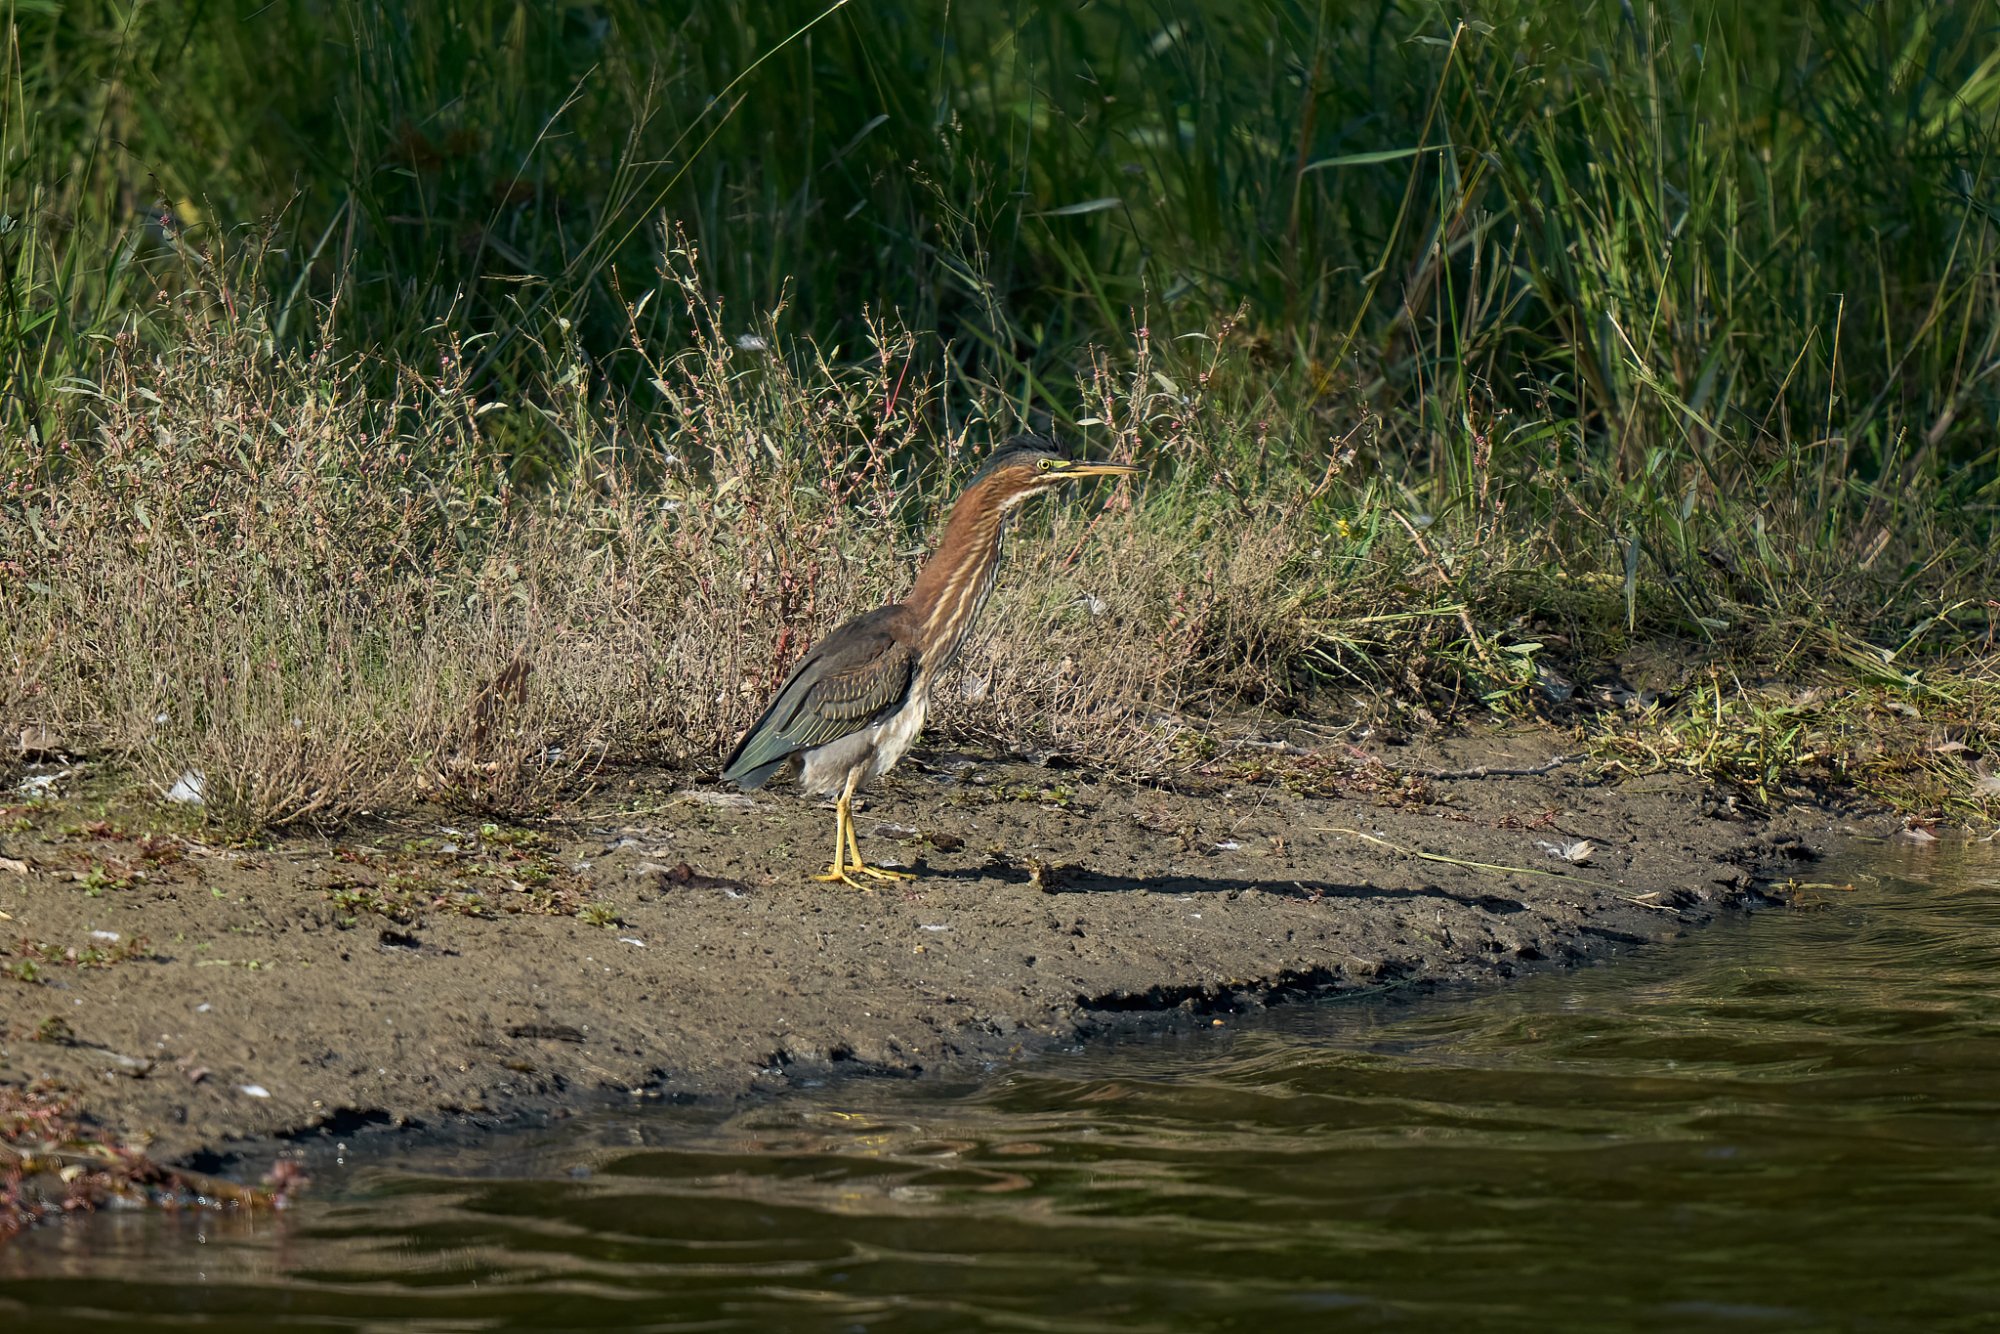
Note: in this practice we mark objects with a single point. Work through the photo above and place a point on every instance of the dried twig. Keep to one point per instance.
(1488, 771)
(1495, 866)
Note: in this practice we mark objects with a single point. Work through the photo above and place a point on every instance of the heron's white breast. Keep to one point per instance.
(895, 736)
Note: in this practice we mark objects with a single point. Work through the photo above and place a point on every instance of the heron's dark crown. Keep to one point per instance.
(1028, 466)
(1017, 450)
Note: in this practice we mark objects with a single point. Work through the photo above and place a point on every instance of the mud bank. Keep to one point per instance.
(664, 944)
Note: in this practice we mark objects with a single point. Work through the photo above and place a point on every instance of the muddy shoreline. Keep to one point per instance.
(661, 942)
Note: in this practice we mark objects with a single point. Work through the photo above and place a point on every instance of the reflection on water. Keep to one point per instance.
(1792, 1122)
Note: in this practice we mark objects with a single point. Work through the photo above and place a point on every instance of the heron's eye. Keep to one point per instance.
(1045, 464)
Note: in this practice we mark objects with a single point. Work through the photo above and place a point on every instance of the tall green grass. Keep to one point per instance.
(1729, 231)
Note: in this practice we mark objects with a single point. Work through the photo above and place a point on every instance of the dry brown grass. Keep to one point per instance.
(325, 602)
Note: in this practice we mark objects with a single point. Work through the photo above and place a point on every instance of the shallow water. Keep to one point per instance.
(1785, 1122)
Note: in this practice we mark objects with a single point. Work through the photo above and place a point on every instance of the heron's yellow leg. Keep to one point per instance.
(853, 848)
(860, 867)
(843, 839)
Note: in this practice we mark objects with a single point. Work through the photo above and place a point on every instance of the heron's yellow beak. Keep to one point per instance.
(1075, 469)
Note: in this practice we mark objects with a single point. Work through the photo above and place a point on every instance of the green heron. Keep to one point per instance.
(851, 709)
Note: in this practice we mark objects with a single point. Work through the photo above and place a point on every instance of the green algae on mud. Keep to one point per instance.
(667, 942)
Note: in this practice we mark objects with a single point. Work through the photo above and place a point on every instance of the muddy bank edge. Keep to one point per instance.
(438, 975)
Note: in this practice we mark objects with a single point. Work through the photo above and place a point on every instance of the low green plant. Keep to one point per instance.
(33, 956)
(101, 877)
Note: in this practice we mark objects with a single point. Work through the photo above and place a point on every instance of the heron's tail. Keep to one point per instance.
(747, 776)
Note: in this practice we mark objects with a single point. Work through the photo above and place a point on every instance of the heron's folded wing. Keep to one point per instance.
(852, 689)
(856, 674)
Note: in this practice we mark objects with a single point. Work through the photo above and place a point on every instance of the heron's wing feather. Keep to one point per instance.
(849, 679)
(850, 691)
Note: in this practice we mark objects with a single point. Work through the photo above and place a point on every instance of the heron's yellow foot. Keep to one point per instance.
(843, 839)
(860, 867)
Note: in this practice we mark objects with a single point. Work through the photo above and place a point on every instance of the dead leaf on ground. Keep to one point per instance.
(722, 801)
(37, 742)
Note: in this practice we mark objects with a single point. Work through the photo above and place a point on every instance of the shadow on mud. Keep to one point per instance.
(1080, 880)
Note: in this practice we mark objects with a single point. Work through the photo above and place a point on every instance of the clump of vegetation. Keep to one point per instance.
(427, 441)
(52, 1162)
(500, 871)
(1922, 746)
(31, 957)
